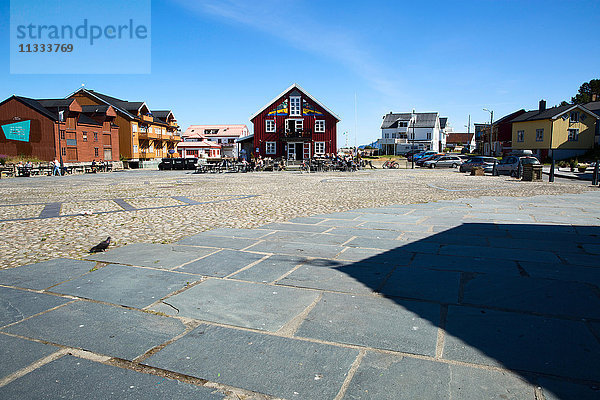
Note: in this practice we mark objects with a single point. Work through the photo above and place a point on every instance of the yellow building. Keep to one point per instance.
(567, 130)
(144, 135)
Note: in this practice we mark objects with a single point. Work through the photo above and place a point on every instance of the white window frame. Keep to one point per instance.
(135, 148)
(539, 135)
(270, 126)
(295, 106)
(134, 128)
(576, 114)
(573, 135)
(320, 126)
(520, 136)
(319, 148)
(270, 147)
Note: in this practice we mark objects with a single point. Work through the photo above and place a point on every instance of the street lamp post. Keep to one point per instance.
(491, 124)
(413, 117)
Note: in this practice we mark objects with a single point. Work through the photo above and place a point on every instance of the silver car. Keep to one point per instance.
(513, 165)
(444, 161)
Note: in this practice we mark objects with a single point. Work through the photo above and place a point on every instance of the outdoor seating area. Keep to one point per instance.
(45, 169)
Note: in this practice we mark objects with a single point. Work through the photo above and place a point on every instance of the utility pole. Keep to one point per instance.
(413, 119)
(491, 123)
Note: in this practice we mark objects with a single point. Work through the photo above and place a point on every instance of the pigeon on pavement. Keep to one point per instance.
(103, 245)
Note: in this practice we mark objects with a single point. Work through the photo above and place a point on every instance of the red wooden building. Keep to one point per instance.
(48, 128)
(294, 125)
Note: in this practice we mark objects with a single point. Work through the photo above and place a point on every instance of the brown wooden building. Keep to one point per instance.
(294, 125)
(82, 134)
(143, 134)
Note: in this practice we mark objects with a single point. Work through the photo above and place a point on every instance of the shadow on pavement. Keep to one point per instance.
(521, 297)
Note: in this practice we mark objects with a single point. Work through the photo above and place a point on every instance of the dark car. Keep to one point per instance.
(177, 163)
(422, 160)
(487, 163)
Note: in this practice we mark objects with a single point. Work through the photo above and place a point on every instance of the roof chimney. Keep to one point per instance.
(542, 105)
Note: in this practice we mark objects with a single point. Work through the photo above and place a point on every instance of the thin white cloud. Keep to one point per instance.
(303, 31)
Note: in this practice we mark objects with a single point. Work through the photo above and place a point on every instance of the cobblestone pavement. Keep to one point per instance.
(279, 196)
(494, 297)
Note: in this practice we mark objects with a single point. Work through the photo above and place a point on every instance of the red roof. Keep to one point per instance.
(459, 138)
(197, 131)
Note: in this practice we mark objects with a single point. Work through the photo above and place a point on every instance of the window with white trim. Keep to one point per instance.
(295, 107)
(574, 117)
(520, 136)
(271, 147)
(573, 135)
(428, 135)
(134, 128)
(539, 135)
(319, 147)
(135, 148)
(320, 125)
(270, 127)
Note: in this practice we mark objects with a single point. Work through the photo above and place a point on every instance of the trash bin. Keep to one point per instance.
(532, 172)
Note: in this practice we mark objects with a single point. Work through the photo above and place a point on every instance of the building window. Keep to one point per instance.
(84, 136)
(539, 135)
(135, 148)
(62, 135)
(71, 142)
(231, 140)
(573, 135)
(295, 110)
(134, 128)
(63, 151)
(320, 126)
(428, 135)
(520, 136)
(574, 116)
(270, 125)
(319, 147)
(271, 147)
(95, 136)
(402, 124)
(96, 152)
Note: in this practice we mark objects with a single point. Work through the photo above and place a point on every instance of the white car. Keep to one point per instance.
(444, 161)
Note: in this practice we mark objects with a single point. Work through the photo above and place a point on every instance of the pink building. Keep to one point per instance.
(199, 149)
(223, 135)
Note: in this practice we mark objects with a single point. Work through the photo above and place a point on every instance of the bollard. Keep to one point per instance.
(595, 175)
(494, 169)
(552, 166)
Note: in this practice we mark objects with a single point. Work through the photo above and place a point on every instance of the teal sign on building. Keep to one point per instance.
(17, 131)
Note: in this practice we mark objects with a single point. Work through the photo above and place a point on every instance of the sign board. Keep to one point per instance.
(17, 131)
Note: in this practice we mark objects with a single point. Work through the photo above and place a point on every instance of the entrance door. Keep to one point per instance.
(291, 151)
(299, 151)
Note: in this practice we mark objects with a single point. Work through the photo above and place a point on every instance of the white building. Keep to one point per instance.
(224, 135)
(422, 131)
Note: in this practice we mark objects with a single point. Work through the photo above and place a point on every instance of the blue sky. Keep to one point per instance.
(219, 61)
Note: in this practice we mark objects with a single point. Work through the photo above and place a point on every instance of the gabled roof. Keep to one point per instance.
(510, 117)
(550, 113)
(222, 131)
(594, 107)
(32, 103)
(123, 106)
(84, 119)
(443, 121)
(95, 108)
(297, 87)
(162, 114)
(459, 137)
(424, 119)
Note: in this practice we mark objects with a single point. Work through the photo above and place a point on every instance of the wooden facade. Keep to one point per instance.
(82, 135)
(295, 126)
(142, 135)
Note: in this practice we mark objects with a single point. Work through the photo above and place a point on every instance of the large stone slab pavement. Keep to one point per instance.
(468, 299)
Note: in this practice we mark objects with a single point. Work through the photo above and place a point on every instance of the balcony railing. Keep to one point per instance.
(295, 135)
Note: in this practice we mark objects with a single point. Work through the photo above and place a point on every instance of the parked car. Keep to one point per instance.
(422, 160)
(487, 163)
(424, 154)
(177, 163)
(512, 165)
(448, 161)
